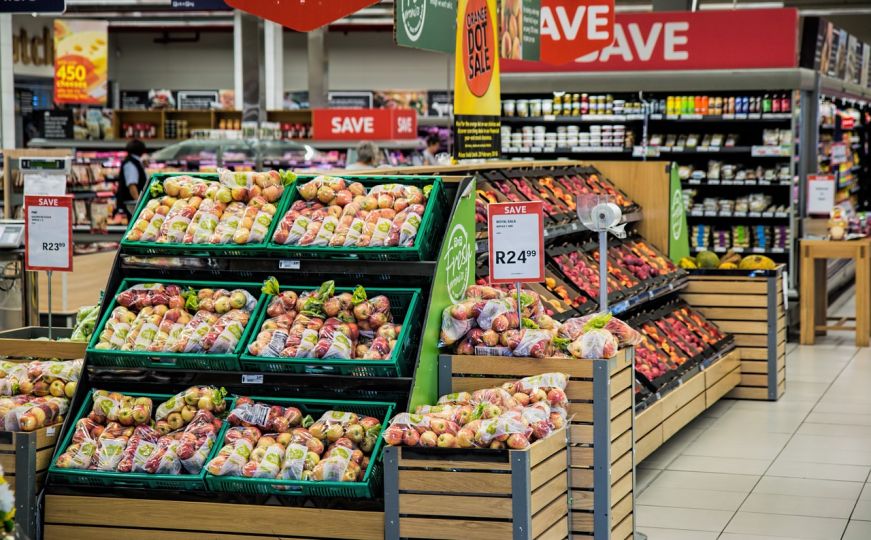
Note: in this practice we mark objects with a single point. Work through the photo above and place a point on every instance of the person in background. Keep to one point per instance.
(133, 178)
(433, 143)
(368, 156)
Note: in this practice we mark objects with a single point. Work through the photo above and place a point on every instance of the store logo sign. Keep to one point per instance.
(413, 13)
(458, 263)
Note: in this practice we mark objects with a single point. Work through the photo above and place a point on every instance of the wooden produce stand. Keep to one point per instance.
(86, 518)
(25, 457)
(600, 396)
(749, 305)
(696, 391)
(22, 343)
(458, 494)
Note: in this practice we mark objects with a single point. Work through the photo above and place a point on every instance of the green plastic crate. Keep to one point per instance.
(405, 304)
(424, 242)
(217, 250)
(372, 479)
(109, 479)
(171, 360)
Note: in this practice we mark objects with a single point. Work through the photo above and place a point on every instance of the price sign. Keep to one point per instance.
(516, 237)
(48, 233)
(821, 193)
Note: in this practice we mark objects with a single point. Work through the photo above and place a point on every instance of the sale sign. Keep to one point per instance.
(515, 234)
(476, 81)
(299, 15)
(81, 61)
(48, 233)
(572, 29)
(667, 40)
(370, 124)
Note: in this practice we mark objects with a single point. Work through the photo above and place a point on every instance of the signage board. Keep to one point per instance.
(301, 16)
(683, 40)
(33, 6)
(820, 193)
(81, 61)
(425, 24)
(369, 124)
(48, 233)
(519, 29)
(572, 29)
(515, 236)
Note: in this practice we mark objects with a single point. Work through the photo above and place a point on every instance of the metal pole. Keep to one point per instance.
(603, 271)
(49, 304)
(519, 310)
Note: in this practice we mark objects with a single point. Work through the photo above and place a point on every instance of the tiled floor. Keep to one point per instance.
(798, 468)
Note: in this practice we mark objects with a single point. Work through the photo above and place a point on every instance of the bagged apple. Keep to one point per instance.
(142, 434)
(266, 459)
(574, 328)
(206, 398)
(164, 460)
(110, 449)
(231, 458)
(338, 467)
(36, 414)
(78, 455)
(197, 440)
(295, 462)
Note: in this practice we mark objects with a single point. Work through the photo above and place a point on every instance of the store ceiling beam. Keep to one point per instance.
(660, 81)
(318, 68)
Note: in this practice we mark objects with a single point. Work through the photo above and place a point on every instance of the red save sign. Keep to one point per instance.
(515, 236)
(571, 29)
(301, 15)
(48, 233)
(371, 124)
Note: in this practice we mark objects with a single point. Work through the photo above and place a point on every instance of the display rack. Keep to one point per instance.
(64, 508)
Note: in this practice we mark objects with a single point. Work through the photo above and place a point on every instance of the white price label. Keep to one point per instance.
(48, 238)
(516, 239)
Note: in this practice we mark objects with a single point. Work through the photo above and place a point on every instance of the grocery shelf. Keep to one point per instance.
(762, 183)
(584, 118)
(749, 251)
(738, 117)
(83, 144)
(647, 296)
(754, 215)
(565, 150)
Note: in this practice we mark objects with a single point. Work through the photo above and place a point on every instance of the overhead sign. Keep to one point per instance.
(425, 24)
(476, 82)
(820, 193)
(48, 233)
(81, 73)
(679, 41)
(199, 5)
(370, 124)
(33, 6)
(572, 29)
(515, 234)
(301, 15)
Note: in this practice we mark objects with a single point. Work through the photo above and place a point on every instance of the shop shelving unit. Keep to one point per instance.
(66, 506)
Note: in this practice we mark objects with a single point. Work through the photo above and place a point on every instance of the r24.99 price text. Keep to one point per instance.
(513, 257)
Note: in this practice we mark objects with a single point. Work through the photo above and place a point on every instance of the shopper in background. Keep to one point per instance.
(433, 143)
(133, 177)
(368, 156)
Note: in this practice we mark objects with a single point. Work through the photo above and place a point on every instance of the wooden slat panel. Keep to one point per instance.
(559, 530)
(581, 478)
(621, 509)
(582, 500)
(716, 314)
(582, 456)
(212, 517)
(730, 381)
(73, 532)
(726, 300)
(621, 402)
(624, 529)
(454, 505)
(543, 472)
(545, 494)
(747, 392)
(622, 445)
(751, 340)
(620, 381)
(648, 419)
(582, 522)
(621, 424)
(682, 395)
(753, 366)
(754, 353)
(582, 433)
(676, 421)
(753, 380)
(648, 444)
(453, 529)
(721, 367)
(455, 482)
(621, 465)
(541, 450)
(519, 367)
(405, 463)
(621, 487)
(743, 327)
(731, 286)
(581, 412)
(551, 513)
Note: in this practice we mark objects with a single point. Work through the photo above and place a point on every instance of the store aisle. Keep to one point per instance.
(798, 468)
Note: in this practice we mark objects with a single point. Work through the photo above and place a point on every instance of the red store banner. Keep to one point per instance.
(300, 15)
(370, 124)
(734, 39)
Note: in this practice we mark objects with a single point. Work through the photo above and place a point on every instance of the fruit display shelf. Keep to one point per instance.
(600, 478)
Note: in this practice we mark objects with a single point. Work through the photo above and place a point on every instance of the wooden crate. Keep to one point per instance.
(25, 457)
(22, 343)
(456, 494)
(74, 517)
(752, 308)
(600, 408)
(698, 390)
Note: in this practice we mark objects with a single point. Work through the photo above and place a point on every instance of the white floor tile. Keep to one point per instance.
(824, 471)
(682, 518)
(643, 478)
(805, 505)
(720, 465)
(705, 499)
(794, 527)
(657, 533)
(862, 510)
(739, 483)
(858, 530)
(778, 485)
(734, 536)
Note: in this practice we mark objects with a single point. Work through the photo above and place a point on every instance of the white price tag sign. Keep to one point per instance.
(516, 239)
(48, 233)
(821, 193)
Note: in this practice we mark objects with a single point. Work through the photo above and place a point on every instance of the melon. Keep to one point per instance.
(707, 259)
(756, 262)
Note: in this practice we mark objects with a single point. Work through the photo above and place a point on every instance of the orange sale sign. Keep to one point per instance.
(81, 62)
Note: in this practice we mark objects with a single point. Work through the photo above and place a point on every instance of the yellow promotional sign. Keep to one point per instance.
(81, 61)
(476, 81)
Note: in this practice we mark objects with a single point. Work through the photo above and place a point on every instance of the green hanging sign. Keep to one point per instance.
(454, 273)
(425, 24)
(678, 235)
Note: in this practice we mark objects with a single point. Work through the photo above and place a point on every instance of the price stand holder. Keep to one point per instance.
(48, 237)
(515, 234)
